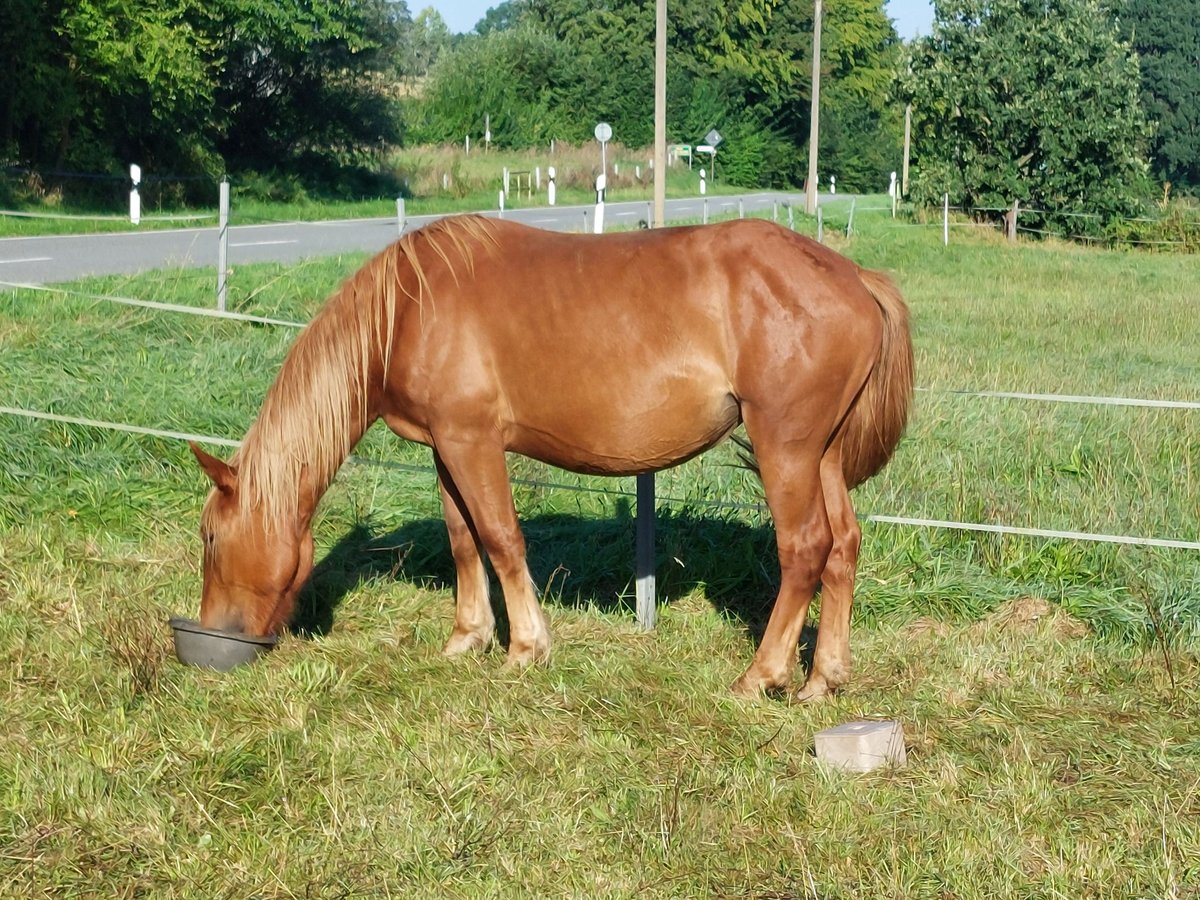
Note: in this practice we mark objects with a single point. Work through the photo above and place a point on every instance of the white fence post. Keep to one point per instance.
(850, 221)
(820, 224)
(400, 223)
(791, 218)
(601, 184)
(946, 220)
(502, 204)
(550, 190)
(223, 245)
(135, 199)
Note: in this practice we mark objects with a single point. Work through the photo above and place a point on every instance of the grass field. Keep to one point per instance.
(1048, 689)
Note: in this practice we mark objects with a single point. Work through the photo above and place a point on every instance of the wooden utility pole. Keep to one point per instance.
(660, 114)
(810, 201)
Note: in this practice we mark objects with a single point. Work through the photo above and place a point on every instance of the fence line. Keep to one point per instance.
(1069, 398)
(1093, 239)
(152, 304)
(1129, 540)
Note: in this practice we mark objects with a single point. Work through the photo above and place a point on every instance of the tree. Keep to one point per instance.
(197, 86)
(861, 122)
(428, 38)
(498, 18)
(1166, 36)
(301, 88)
(1031, 100)
(514, 76)
(90, 80)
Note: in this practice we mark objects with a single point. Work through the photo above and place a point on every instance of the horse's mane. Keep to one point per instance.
(316, 409)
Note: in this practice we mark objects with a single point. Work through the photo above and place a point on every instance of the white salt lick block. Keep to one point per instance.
(862, 746)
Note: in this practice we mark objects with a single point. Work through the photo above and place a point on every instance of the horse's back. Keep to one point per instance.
(631, 352)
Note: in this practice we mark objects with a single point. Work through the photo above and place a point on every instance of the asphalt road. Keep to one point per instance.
(44, 260)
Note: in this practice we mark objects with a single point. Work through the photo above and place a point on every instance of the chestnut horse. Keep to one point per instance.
(617, 354)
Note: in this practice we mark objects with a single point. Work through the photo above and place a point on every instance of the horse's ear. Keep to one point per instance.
(222, 474)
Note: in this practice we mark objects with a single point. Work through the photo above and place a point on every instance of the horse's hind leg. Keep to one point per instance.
(831, 659)
(478, 471)
(791, 479)
(474, 622)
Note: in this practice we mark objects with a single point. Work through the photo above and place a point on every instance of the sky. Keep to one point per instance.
(912, 17)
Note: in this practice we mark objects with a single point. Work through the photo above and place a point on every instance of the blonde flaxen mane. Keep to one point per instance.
(317, 408)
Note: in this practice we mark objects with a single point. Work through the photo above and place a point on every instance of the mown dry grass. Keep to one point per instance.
(1048, 689)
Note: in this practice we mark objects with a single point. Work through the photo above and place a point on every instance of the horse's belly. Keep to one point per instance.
(627, 435)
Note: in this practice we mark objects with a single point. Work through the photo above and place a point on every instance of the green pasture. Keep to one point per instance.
(1048, 688)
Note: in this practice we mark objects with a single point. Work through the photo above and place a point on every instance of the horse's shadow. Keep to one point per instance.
(574, 561)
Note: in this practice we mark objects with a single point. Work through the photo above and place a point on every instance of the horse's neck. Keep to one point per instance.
(322, 402)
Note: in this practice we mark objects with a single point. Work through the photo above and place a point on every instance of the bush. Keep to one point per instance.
(1177, 228)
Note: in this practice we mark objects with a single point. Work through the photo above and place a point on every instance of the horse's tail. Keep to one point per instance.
(876, 420)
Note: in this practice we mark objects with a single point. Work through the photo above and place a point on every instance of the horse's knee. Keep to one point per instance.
(805, 553)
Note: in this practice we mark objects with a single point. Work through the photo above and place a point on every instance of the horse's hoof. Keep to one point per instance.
(814, 690)
(524, 657)
(746, 688)
(751, 687)
(466, 642)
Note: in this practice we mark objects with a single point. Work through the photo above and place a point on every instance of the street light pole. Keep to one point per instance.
(810, 200)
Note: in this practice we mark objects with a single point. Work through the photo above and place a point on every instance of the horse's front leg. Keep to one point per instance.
(475, 466)
(474, 622)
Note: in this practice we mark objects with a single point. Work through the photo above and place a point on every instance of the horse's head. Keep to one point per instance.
(252, 572)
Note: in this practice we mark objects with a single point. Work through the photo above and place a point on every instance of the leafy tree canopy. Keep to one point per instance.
(498, 18)
(196, 86)
(1166, 36)
(1031, 100)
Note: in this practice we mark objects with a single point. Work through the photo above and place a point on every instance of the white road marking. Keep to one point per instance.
(26, 259)
(260, 243)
